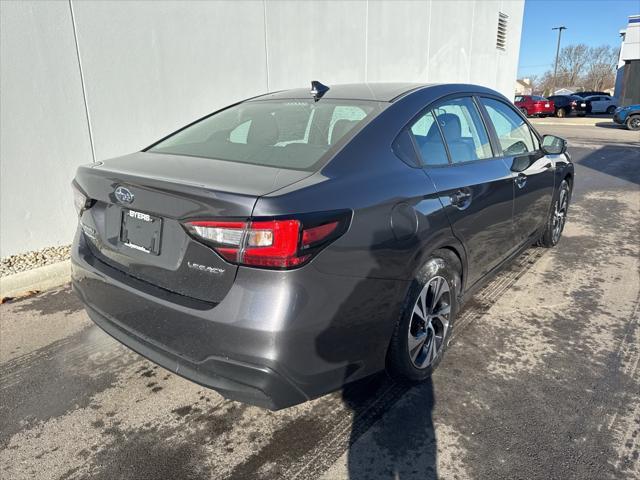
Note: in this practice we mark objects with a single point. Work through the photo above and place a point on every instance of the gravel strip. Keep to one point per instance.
(27, 261)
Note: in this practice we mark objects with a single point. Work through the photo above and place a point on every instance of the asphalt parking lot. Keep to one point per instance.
(541, 381)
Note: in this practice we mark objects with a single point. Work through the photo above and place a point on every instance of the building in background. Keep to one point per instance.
(85, 81)
(627, 88)
(524, 86)
(566, 91)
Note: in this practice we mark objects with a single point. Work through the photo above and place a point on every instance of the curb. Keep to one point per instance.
(35, 280)
(575, 121)
(561, 124)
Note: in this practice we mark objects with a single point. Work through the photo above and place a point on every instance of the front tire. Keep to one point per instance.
(633, 122)
(524, 111)
(561, 113)
(424, 329)
(557, 217)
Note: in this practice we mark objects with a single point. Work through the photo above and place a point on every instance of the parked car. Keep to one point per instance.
(533, 105)
(288, 244)
(564, 104)
(589, 93)
(596, 104)
(603, 104)
(628, 116)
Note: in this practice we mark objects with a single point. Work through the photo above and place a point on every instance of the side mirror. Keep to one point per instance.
(552, 145)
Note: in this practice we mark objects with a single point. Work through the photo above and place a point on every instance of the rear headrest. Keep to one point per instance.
(451, 126)
(263, 130)
(340, 128)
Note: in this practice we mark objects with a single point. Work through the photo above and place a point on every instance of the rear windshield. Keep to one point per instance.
(291, 134)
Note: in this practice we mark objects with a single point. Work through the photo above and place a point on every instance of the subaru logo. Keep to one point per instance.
(123, 195)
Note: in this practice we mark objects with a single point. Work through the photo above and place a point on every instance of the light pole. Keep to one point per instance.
(555, 69)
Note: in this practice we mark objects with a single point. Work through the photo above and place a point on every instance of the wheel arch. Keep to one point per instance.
(569, 178)
(456, 251)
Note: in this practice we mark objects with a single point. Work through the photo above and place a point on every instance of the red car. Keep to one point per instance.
(532, 105)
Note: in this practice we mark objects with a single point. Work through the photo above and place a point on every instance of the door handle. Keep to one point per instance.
(521, 180)
(460, 199)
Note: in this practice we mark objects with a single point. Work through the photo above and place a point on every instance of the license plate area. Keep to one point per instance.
(141, 231)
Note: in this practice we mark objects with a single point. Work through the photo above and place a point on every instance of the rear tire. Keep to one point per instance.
(561, 113)
(611, 109)
(557, 217)
(633, 122)
(424, 328)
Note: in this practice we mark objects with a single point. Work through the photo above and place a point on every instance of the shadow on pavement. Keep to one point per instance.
(611, 125)
(404, 438)
(614, 160)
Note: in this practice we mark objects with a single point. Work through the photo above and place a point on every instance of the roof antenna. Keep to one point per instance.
(318, 90)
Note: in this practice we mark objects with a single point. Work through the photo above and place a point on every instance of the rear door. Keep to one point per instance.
(608, 102)
(533, 173)
(475, 189)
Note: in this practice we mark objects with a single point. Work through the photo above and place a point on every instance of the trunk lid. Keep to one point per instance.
(140, 230)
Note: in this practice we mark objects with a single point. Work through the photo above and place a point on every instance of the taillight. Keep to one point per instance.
(80, 200)
(274, 243)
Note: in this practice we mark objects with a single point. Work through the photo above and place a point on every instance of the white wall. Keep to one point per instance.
(43, 126)
(150, 67)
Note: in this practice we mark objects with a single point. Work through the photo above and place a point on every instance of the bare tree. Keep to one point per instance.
(581, 66)
(601, 69)
(544, 85)
(571, 64)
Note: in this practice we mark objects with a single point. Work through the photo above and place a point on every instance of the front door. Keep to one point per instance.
(532, 172)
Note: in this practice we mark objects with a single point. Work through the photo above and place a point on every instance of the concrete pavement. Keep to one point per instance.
(541, 380)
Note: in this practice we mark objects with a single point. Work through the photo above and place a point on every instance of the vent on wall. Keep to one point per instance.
(501, 40)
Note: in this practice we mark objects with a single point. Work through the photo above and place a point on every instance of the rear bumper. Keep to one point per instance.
(275, 340)
(247, 383)
(542, 111)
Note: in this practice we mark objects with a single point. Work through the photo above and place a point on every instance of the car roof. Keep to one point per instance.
(380, 92)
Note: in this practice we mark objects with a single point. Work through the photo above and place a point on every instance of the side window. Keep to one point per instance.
(463, 130)
(514, 135)
(429, 140)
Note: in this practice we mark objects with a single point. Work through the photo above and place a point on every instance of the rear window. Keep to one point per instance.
(291, 134)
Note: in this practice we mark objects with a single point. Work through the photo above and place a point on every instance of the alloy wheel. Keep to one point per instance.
(429, 322)
(560, 213)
